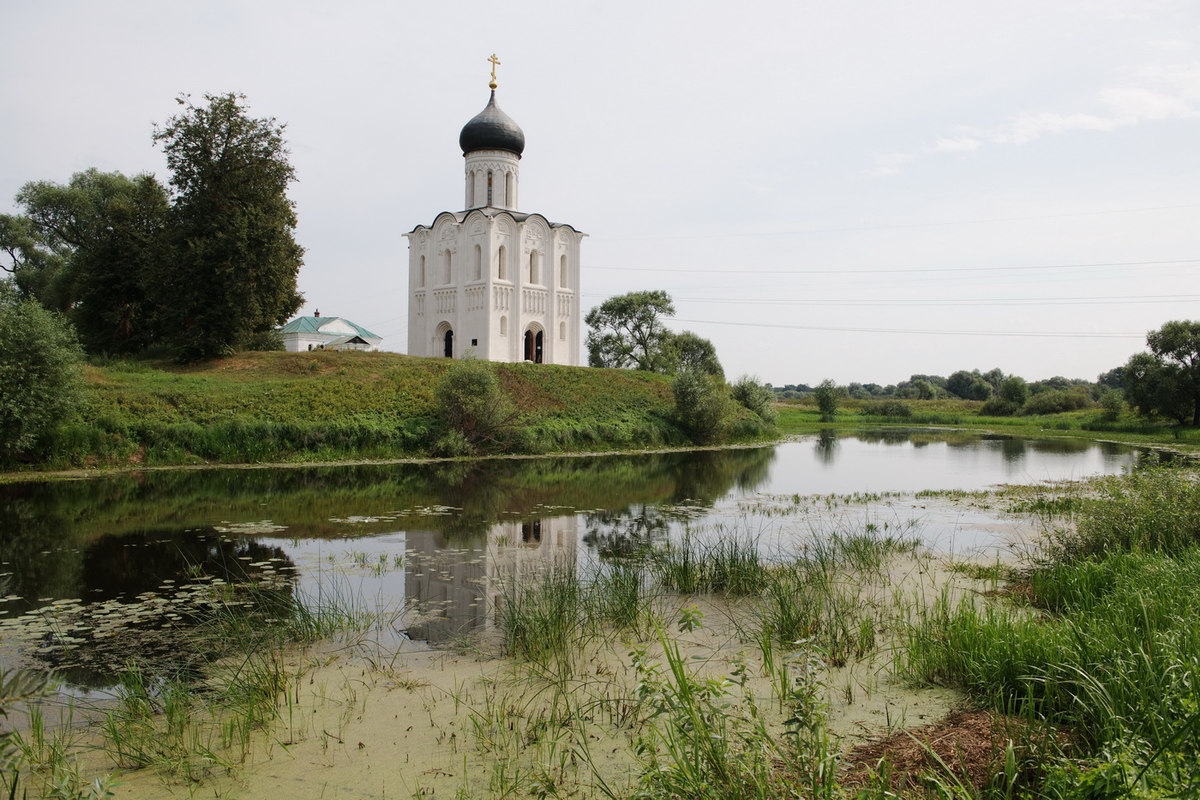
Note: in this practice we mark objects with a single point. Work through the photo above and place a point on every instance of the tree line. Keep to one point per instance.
(1163, 383)
(205, 265)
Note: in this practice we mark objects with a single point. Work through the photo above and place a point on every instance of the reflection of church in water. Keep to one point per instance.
(492, 279)
(464, 595)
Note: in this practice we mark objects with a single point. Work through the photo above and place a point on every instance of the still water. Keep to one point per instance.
(95, 571)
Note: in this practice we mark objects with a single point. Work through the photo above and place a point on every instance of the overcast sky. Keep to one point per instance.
(853, 190)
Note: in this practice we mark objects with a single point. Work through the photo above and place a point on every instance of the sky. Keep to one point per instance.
(859, 191)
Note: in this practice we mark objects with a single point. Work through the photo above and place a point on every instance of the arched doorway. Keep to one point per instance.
(533, 345)
(448, 340)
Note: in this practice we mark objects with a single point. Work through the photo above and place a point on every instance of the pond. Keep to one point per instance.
(94, 572)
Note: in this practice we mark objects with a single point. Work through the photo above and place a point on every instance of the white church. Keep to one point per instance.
(490, 278)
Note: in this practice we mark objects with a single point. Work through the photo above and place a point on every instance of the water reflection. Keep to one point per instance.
(437, 540)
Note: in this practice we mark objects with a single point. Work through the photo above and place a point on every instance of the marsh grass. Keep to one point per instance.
(1105, 642)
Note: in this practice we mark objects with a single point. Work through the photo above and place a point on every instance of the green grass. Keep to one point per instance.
(1105, 644)
(286, 407)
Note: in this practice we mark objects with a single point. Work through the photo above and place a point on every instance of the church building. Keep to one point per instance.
(490, 278)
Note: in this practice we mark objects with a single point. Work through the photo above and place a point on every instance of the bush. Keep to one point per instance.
(754, 396)
(1014, 390)
(265, 341)
(473, 409)
(827, 394)
(998, 407)
(1112, 401)
(40, 373)
(703, 406)
(1056, 402)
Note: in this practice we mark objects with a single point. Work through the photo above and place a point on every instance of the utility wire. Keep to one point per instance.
(1041, 334)
(807, 231)
(740, 271)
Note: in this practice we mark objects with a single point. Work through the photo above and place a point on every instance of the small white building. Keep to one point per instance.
(327, 333)
(490, 278)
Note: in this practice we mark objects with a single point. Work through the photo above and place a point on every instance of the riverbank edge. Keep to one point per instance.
(42, 476)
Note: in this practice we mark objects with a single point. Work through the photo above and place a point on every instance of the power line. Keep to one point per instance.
(806, 231)
(1041, 334)
(740, 271)
(979, 301)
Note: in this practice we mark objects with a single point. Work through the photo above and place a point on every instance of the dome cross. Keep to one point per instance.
(495, 62)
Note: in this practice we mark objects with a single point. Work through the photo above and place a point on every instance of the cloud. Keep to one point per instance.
(961, 143)
(1151, 94)
(888, 163)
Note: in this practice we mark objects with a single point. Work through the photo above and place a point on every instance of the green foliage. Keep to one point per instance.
(109, 231)
(269, 341)
(1112, 401)
(36, 262)
(473, 409)
(827, 395)
(1014, 390)
(627, 331)
(39, 373)
(236, 258)
(687, 351)
(703, 407)
(999, 407)
(1056, 402)
(755, 397)
(1166, 381)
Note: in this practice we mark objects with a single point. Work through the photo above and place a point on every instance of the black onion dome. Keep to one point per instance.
(492, 129)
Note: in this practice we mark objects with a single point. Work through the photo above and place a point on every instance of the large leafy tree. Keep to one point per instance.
(39, 372)
(627, 331)
(236, 257)
(37, 268)
(108, 232)
(1166, 381)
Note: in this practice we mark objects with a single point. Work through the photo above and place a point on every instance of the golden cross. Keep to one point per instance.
(495, 63)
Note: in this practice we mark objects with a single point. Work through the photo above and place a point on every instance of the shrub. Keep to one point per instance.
(998, 407)
(1014, 390)
(754, 396)
(1112, 403)
(40, 363)
(1056, 402)
(473, 409)
(703, 406)
(827, 394)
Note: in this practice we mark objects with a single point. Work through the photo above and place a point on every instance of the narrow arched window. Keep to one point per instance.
(421, 274)
(562, 330)
(478, 263)
(508, 190)
(562, 271)
(489, 187)
(448, 344)
(447, 269)
(471, 189)
(502, 273)
(504, 326)
(533, 270)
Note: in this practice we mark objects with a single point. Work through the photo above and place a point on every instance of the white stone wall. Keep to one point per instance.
(470, 298)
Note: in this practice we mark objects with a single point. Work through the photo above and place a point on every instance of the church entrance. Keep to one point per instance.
(449, 351)
(533, 346)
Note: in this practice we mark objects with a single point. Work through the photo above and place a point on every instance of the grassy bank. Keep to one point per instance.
(318, 406)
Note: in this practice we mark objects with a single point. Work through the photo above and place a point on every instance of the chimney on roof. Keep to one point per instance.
(317, 313)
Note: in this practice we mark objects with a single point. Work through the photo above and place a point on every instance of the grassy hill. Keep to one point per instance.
(316, 406)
